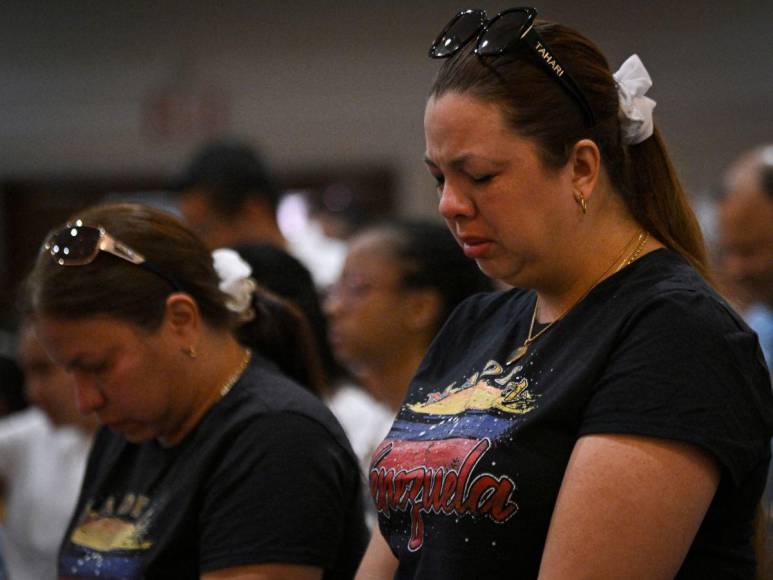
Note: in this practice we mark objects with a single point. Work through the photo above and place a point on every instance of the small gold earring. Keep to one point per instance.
(580, 198)
(190, 351)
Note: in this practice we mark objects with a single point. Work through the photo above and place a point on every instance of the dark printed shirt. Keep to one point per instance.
(266, 476)
(466, 481)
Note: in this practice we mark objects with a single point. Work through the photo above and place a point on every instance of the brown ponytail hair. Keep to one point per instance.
(114, 287)
(537, 107)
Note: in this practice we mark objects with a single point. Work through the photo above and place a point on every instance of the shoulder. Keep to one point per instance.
(680, 364)
(276, 269)
(662, 286)
(265, 390)
(266, 398)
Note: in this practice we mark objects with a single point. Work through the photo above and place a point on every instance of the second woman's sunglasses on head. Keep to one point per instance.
(502, 34)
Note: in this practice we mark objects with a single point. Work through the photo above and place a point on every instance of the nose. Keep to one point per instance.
(453, 203)
(87, 393)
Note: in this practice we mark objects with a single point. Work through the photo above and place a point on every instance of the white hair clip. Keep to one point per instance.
(633, 82)
(235, 281)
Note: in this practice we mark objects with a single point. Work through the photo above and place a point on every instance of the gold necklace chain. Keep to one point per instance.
(521, 351)
(636, 251)
(228, 385)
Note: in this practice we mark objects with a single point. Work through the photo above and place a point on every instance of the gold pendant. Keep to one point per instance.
(518, 354)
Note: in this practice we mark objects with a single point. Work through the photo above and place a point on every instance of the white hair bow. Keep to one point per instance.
(235, 281)
(633, 82)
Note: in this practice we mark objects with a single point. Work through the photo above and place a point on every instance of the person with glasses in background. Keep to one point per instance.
(212, 461)
(608, 417)
(400, 281)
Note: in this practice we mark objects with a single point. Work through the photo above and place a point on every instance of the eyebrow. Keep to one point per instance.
(458, 163)
(79, 362)
(455, 163)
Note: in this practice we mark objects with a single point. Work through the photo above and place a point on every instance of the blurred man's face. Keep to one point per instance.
(211, 226)
(746, 245)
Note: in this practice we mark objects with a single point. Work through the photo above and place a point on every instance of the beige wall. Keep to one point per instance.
(330, 82)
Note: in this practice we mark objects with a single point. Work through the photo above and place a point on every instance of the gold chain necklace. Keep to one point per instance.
(228, 385)
(636, 251)
(521, 351)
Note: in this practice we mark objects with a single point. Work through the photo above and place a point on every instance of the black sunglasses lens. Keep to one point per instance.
(503, 31)
(458, 33)
(74, 244)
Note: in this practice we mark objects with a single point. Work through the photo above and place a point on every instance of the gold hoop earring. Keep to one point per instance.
(190, 351)
(580, 198)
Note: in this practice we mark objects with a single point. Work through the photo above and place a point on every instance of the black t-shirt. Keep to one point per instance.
(266, 476)
(466, 481)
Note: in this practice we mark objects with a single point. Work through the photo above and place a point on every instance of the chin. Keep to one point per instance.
(136, 439)
(505, 276)
(134, 433)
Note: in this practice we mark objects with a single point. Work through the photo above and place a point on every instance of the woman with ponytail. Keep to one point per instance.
(610, 416)
(212, 461)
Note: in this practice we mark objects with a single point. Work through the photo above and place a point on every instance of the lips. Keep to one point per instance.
(475, 247)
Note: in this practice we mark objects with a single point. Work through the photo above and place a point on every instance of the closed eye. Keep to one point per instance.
(482, 179)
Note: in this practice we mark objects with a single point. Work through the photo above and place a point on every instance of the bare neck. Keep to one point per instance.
(600, 245)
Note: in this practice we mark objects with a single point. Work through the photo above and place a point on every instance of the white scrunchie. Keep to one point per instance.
(633, 82)
(235, 281)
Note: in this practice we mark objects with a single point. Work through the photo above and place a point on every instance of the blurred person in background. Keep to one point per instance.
(745, 240)
(280, 273)
(212, 461)
(400, 281)
(745, 262)
(229, 197)
(43, 453)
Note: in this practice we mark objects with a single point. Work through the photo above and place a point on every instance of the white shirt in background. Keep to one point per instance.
(42, 467)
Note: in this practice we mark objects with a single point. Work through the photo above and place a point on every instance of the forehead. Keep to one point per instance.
(453, 108)
(372, 252)
(65, 338)
(452, 115)
(460, 128)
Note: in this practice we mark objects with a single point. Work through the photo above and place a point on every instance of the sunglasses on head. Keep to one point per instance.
(77, 245)
(502, 34)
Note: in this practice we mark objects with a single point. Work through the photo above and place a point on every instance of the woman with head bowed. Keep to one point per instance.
(212, 462)
(610, 416)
